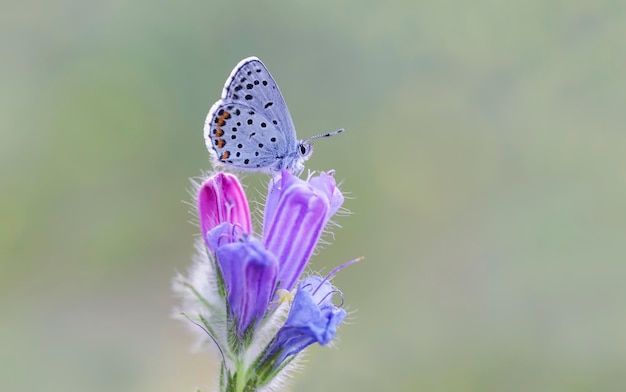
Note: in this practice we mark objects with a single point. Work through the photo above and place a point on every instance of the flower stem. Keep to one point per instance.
(240, 377)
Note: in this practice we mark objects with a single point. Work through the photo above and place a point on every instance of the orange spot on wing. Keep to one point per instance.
(219, 132)
(225, 155)
(221, 120)
(221, 143)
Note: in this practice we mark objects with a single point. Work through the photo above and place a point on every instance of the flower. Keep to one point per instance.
(239, 290)
(312, 318)
(296, 212)
(249, 272)
(221, 199)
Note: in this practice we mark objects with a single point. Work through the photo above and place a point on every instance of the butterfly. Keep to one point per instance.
(250, 127)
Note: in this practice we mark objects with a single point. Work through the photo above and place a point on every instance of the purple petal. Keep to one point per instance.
(274, 194)
(293, 230)
(295, 215)
(325, 183)
(222, 199)
(221, 234)
(312, 319)
(249, 273)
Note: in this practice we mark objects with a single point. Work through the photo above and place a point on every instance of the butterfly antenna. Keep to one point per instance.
(328, 134)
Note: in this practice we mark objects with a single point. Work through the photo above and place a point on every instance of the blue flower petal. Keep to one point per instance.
(312, 319)
(249, 273)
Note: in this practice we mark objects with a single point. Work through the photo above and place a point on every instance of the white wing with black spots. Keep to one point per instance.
(251, 84)
(243, 138)
(250, 126)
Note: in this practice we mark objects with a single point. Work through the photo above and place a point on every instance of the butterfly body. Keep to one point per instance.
(250, 127)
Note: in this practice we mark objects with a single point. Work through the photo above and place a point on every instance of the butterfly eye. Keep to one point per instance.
(305, 149)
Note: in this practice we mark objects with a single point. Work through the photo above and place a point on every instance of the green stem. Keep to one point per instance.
(240, 377)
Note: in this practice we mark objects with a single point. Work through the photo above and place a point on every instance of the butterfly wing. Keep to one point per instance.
(250, 126)
(253, 85)
(239, 136)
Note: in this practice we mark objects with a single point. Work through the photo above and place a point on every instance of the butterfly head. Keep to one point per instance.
(305, 149)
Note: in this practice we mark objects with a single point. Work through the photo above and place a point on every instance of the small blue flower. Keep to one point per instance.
(313, 318)
(249, 272)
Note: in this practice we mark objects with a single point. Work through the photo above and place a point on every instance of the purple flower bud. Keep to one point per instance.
(249, 273)
(296, 212)
(222, 199)
(312, 319)
(326, 182)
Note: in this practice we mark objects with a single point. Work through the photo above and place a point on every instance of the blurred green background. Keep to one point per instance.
(484, 156)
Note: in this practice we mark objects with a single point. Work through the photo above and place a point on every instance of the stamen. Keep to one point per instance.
(331, 294)
(284, 296)
(229, 236)
(235, 227)
(337, 269)
(233, 235)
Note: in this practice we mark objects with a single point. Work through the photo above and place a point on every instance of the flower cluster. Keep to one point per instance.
(240, 290)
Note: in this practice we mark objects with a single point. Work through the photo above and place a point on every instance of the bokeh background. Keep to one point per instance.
(484, 156)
